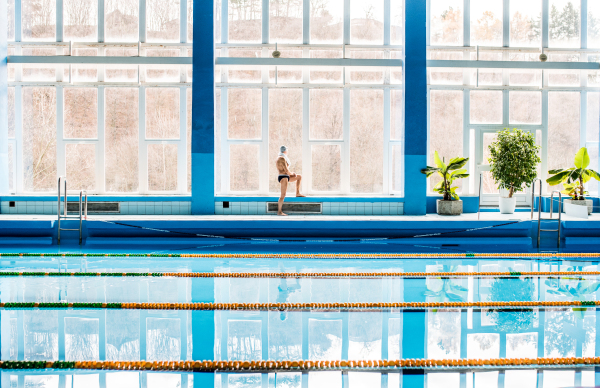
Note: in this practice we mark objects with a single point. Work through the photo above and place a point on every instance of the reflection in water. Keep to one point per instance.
(517, 290)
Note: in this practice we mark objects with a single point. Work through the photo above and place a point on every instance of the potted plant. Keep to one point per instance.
(450, 204)
(574, 178)
(513, 160)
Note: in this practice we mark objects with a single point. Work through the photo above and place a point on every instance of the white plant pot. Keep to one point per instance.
(586, 202)
(449, 208)
(507, 205)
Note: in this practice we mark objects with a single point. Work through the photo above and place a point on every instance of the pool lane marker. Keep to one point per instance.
(301, 365)
(311, 275)
(371, 306)
(310, 255)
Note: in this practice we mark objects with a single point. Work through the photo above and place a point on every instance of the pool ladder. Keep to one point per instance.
(82, 209)
(540, 219)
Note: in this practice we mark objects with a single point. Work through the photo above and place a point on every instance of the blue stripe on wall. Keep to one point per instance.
(203, 100)
(415, 103)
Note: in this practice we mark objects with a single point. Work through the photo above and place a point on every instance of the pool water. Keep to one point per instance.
(107, 334)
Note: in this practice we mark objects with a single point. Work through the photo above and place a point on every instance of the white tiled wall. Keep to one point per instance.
(329, 208)
(127, 208)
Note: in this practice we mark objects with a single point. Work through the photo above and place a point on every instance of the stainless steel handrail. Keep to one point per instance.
(551, 213)
(479, 201)
(82, 210)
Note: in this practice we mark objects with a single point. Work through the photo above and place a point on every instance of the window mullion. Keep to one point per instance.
(60, 143)
(59, 21)
(19, 138)
(142, 26)
(100, 22)
(386, 141)
(182, 143)
(143, 148)
(100, 144)
(583, 24)
(345, 168)
(583, 118)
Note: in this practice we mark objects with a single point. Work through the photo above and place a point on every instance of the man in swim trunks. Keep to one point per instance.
(285, 177)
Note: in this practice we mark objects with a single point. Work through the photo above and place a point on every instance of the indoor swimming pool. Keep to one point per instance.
(194, 319)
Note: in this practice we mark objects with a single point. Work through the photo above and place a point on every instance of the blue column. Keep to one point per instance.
(3, 98)
(414, 324)
(415, 104)
(203, 117)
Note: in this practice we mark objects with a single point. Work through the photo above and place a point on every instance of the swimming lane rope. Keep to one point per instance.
(310, 275)
(301, 365)
(350, 306)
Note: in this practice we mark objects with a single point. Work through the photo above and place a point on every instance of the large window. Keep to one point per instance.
(467, 106)
(109, 127)
(343, 125)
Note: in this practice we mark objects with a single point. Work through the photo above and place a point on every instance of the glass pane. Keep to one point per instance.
(397, 22)
(244, 73)
(524, 77)
(285, 128)
(162, 113)
(244, 340)
(121, 73)
(11, 20)
(396, 115)
(122, 139)
(593, 116)
(326, 113)
(366, 75)
(243, 167)
(81, 166)
(217, 146)
(486, 107)
(82, 339)
(445, 76)
(488, 184)
(190, 20)
(163, 73)
(81, 113)
(366, 141)
(446, 126)
(364, 333)
(326, 165)
(39, 139)
(592, 185)
(563, 77)
(162, 167)
(11, 113)
(244, 113)
(39, 20)
(287, 74)
(121, 20)
(563, 129)
(39, 72)
(443, 335)
(11, 167)
(328, 74)
(40, 332)
(326, 21)
(593, 24)
(487, 76)
(162, 20)
(80, 20)
(245, 21)
(565, 23)
(486, 23)
(366, 21)
(218, 140)
(525, 107)
(525, 23)
(84, 73)
(397, 168)
(446, 22)
(285, 21)
(163, 339)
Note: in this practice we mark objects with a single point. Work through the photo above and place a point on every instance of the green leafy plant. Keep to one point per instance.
(449, 173)
(583, 290)
(514, 159)
(574, 178)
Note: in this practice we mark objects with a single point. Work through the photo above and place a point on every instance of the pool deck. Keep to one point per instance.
(492, 228)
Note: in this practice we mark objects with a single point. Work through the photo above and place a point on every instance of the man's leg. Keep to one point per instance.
(284, 183)
(298, 180)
